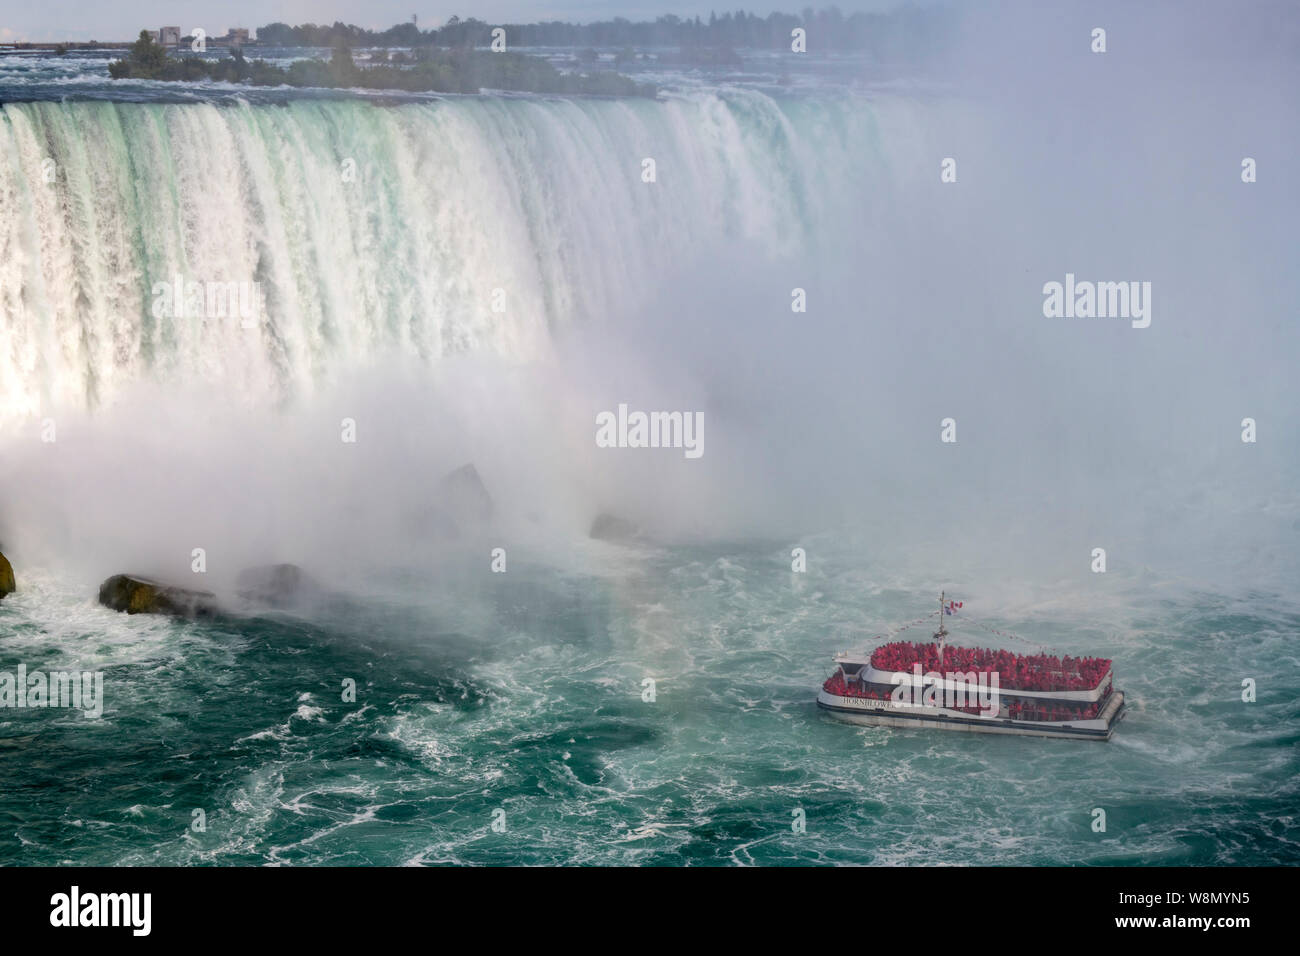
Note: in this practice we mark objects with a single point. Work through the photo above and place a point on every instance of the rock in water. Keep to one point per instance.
(462, 501)
(608, 527)
(463, 493)
(7, 585)
(137, 595)
(277, 585)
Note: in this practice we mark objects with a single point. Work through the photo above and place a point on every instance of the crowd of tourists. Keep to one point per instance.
(1015, 671)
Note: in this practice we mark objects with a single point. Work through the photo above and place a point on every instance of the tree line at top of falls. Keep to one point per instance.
(905, 30)
(423, 70)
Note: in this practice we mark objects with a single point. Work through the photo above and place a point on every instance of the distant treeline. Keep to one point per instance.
(905, 31)
(427, 69)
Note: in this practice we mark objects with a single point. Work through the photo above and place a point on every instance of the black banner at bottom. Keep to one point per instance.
(213, 905)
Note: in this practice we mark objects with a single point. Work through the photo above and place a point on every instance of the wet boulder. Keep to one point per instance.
(7, 585)
(461, 502)
(608, 527)
(140, 595)
(278, 586)
(463, 494)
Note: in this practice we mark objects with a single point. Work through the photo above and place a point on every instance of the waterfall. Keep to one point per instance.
(354, 229)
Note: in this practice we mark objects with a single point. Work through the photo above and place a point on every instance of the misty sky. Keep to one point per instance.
(123, 19)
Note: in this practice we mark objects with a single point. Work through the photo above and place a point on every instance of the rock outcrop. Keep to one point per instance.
(608, 527)
(462, 494)
(139, 595)
(7, 585)
(278, 586)
(460, 504)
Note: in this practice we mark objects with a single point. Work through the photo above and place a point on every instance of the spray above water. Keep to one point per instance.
(849, 288)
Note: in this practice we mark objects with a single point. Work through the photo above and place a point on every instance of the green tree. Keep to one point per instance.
(147, 55)
(342, 69)
(145, 59)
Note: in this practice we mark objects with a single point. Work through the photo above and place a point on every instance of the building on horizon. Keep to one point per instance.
(170, 36)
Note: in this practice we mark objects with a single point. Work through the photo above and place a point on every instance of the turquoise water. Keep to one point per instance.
(523, 692)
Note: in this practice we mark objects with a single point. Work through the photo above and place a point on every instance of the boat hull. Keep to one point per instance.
(880, 713)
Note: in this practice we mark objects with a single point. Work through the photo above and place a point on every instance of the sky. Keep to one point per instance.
(122, 19)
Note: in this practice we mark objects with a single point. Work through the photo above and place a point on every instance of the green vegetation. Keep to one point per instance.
(908, 28)
(425, 69)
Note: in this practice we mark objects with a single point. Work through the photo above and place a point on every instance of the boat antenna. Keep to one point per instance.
(943, 631)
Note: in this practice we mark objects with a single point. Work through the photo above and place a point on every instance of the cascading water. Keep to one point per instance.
(355, 229)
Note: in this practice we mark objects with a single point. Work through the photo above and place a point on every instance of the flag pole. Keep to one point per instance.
(942, 630)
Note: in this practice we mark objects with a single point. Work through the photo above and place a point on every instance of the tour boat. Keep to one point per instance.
(933, 684)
